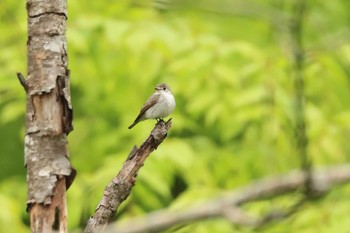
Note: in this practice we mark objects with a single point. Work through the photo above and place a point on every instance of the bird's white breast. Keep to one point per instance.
(163, 108)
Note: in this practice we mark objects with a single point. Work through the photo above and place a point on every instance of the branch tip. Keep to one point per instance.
(22, 81)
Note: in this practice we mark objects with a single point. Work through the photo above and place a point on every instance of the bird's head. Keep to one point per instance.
(162, 87)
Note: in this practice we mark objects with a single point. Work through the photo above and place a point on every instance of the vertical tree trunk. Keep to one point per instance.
(48, 116)
(298, 53)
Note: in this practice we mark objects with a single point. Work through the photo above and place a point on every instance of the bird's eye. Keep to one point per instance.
(164, 88)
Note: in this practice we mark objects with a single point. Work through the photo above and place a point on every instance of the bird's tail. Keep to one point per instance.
(133, 124)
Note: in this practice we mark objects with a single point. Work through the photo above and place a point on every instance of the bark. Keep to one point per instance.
(48, 116)
(120, 186)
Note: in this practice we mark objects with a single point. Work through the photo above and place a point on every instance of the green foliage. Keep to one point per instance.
(232, 77)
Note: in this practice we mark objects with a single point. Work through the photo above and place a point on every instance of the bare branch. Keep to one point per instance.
(120, 186)
(227, 206)
(252, 10)
(279, 214)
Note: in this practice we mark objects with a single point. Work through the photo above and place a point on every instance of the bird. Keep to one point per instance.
(159, 105)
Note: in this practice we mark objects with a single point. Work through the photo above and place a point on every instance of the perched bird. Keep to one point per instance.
(159, 105)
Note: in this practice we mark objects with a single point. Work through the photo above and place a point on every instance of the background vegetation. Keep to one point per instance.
(230, 67)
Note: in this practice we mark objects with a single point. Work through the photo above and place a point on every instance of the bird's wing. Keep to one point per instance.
(149, 103)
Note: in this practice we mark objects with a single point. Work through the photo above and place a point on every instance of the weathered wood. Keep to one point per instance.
(120, 186)
(48, 116)
(53, 217)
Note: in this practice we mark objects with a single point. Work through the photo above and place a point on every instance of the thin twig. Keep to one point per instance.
(252, 10)
(279, 214)
(22, 81)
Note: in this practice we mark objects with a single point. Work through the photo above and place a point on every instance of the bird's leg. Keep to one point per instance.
(159, 120)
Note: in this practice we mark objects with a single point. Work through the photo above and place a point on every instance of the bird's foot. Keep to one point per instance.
(159, 121)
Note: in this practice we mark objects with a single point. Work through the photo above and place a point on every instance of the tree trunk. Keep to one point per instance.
(48, 116)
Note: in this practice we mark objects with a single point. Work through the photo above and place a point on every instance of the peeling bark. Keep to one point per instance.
(48, 115)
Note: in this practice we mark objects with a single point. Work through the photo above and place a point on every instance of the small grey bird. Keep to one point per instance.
(159, 105)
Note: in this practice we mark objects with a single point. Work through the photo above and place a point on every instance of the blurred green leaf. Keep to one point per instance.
(231, 73)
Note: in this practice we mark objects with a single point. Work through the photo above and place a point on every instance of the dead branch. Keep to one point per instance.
(228, 206)
(120, 186)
